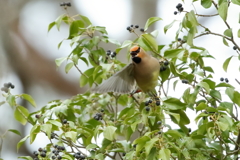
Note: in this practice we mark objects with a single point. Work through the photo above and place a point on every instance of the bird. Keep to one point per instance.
(142, 74)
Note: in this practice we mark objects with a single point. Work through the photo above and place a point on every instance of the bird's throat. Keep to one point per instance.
(136, 59)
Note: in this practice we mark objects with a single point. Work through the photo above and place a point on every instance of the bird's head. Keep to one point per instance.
(136, 54)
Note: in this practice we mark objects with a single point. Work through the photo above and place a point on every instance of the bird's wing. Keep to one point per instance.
(121, 82)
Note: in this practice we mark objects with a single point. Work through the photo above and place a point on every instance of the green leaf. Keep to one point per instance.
(169, 26)
(176, 117)
(74, 28)
(86, 20)
(21, 114)
(21, 142)
(83, 80)
(91, 146)
(205, 86)
(165, 74)
(206, 3)
(164, 154)
(174, 104)
(25, 157)
(47, 128)
(109, 133)
(149, 145)
(150, 42)
(72, 135)
(216, 94)
(34, 131)
(175, 134)
(11, 100)
(59, 61)
(172, 53)
(223, 9)
(238, 33)
(59, 20)
(226, 63)
(222, 126)
(228, 32)
(236, 98)
(236, 2)
(150, 21)
(225, 42)
(29, 98)
(68, 67)
(51, 25)
(54, 122)
(15, 131)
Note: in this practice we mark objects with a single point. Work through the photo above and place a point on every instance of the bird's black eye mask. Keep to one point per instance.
(134, 53)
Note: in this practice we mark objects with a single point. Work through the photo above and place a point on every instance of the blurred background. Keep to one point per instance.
(28, 51)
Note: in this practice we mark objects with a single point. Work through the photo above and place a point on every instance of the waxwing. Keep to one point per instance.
(143, 71)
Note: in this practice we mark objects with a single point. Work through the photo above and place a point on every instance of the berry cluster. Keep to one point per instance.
(149, 102)
(222, 79)
(179, 8)
(43, 153)
(79, 156)
(132, 27)
(185, 81)
(110, 53)
(68, 4)
(164, 66)
(6, 86)
(98, 116)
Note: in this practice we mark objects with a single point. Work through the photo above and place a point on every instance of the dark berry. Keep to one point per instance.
(147, 109)
(142, 30)
(150, 101)
(113, 54)
(135, 145)
(53, 157)
(185, 81)
(35, 153)
(179, 5)
(166, 63)
(54, 151)
(59, 147)
(146, 103)
(82, 157)
(175, 12)
(79, 153)
(43, 154)
(226, 80)
(44, 150)
(159, 132)
(159, 122)
(64, 121)
(136, 26)
(108, 52)
(131, 25)
(40, 149)
(62, 148)
(96, 117)
(181, 9)
(55, 146)
(52, 135)
(69, 4)
(221, 79)
(234, 47)
(77, 156)
(7, 85)
(59, 157)
(158, 103)
(124, 154)
(189, 130)
(4, 89)
(62, 4)
(163, 68)
(12, 86)
(179, 39)
(102, 110)
(37, 116)
(129, 28)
